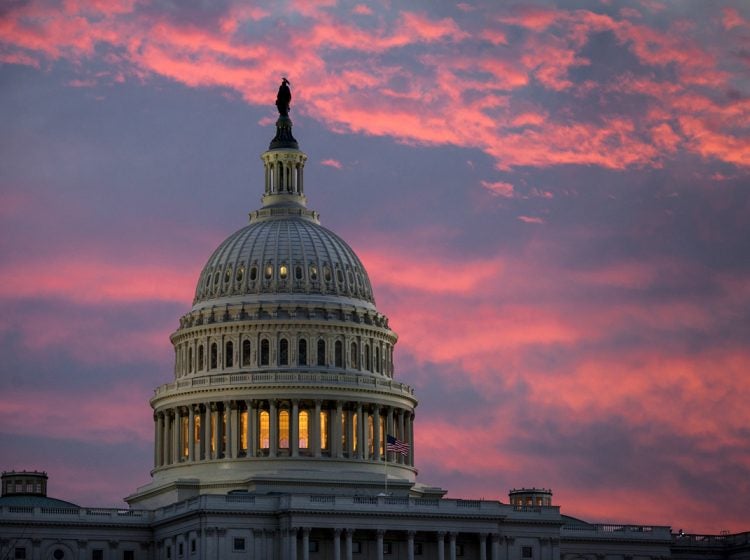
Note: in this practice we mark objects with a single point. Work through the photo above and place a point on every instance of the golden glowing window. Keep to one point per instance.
(213, 433)
(313, 272)
(269, 271)
(355, 421)
(283, 272)
(228, 275)
(184, 435)
(344, 439)
(243, 430)
(197, 431)
(240, 273)
(382, 436)
(284, 429)
(370, 434)
(324, 429)
(265, 430)
(304, 430)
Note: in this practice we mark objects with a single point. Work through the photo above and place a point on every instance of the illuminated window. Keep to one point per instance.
(302, 352)
(304, 430)
(229, 354)
(321, 352)
(197, 429)
(313, 272)
(338, 351)
(200, 358)
(269, 271)
(283, 271)
(283, 352)
(370, 435)
(265, 430)
(382, 436)
(353, 356)
(213, 433)
(324, 429)
(184, 435)
(355, 420)
(284, 429)
(214, 356)
(264, 352)
(240, 274)
(243, 430)
(246, 348)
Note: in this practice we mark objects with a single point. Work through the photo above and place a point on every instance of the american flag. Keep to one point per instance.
(397, 446)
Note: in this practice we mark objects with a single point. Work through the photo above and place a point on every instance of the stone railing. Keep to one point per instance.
(655, 532)
(286, 378)
(725, 539)
(83, 515)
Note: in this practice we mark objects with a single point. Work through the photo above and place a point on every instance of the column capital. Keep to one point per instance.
(380, 533)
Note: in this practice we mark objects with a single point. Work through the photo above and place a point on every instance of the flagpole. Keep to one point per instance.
(385, 467)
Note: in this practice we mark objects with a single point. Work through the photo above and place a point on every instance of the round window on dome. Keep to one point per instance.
(327, 273)
(313, 272)
(283, 272)
(269, 271)
(240, 273)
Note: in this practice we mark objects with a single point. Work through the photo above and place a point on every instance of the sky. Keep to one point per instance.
(552, 201)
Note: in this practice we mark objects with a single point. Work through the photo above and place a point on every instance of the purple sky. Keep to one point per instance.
(552, 201)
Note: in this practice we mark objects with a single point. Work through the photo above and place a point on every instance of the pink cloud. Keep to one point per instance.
(731, 18)
(499, 188)
(332, 163)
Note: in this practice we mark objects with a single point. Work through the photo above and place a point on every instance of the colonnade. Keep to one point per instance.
(346, 543)
(233, 429)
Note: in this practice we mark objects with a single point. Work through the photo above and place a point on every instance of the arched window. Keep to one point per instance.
(229, 354)
(321, 352)
(304, 430)
(283, 352)
(200, 358)
(214, 356)
(367, 364)
(298, 272)
(302, 352)
(324, 430)
(377, 359)
(265, 430)
(353, 361)
(370, 435)
(264, 352)
(190, 360)
(338, 351)
(243, 430)
(246, 352)
(284, 429)
(281, 176)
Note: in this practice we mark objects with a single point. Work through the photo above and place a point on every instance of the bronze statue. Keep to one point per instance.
(283, 98)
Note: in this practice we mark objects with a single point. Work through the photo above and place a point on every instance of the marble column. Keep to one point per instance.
(376, 432)
(452, 546)
(401, 434)
(191, 433)
(348, 548)
(205, 445)
(495, 547)
(337, 434)
(350, 433)
(176, 428)
(411, 439)
(337, 544)
(293, 543)
(441, 545)
(305, 543)
(379, 545)
(274, 428)
(229, 416)
(365, 431)
(316, 429)
(483, 546)
(410, 545)
(159, 461)
(360, 432)
(294, 428)
(252, 428)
